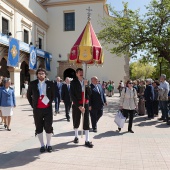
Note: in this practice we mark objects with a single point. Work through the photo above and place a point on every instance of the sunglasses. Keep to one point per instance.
(130, 83)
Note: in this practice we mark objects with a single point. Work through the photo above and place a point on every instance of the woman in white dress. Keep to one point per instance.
(7, 102)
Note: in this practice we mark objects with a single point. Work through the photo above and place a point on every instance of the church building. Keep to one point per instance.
(52, 27)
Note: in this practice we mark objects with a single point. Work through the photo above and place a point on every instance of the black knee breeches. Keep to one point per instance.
(77, 117)
(43, 120)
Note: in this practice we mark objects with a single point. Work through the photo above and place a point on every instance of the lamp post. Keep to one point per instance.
(160, 59)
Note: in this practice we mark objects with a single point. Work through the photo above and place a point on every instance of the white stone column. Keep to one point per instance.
(32, 75)
(15, 78)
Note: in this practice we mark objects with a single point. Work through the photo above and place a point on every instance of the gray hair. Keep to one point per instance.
(5, 80)
(149, 80)
(163, 76)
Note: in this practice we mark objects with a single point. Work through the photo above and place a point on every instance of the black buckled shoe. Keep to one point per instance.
(95, 130)
(49, 149)
(42, 149)
(76, 140)
(130, 131)
(89, 144)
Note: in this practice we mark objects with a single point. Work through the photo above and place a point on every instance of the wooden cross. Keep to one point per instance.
(89, 13)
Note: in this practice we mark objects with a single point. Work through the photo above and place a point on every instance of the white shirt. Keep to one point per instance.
(164, 85)
(26, 86)
(7, 89)
(42, 87)
(122, 84)
(97, 88)
(68, 86)
(82, 85)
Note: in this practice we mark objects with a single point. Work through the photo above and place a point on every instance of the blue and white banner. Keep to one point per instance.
(33, 58)
(13, 52)
(47, 61)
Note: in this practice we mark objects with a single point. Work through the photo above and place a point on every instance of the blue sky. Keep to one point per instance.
(133, 4)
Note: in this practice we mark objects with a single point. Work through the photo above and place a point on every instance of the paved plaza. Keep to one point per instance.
(148, 148)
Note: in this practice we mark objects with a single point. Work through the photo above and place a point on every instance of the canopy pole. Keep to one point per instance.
(85, 74)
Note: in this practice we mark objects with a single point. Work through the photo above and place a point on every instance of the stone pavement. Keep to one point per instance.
(148, 148)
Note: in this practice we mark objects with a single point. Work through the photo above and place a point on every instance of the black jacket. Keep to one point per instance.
(57, 90)
(65, 94)
(149, 92)
(97, 100)
(33, 92)
(76, 92)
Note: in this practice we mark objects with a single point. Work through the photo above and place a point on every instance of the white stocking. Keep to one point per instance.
(40, 137)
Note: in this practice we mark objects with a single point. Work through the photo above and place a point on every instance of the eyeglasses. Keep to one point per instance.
(41, 73)
(130, 83)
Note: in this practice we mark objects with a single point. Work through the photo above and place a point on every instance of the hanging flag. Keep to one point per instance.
(47, 61)
(13, 52)
(33, 58)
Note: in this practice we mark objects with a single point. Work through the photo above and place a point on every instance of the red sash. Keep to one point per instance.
(40, 104)
(86, 101)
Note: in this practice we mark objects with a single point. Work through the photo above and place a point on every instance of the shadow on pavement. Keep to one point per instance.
(21, 158)
(65, 145)
(27, 110)
(71, 133)
(162, 126)
(138, 119)
(151, 123)
(18, 158)
(109, 134)
(24, 105)
(60, 120)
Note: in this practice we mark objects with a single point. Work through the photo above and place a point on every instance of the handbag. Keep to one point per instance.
(120, 119)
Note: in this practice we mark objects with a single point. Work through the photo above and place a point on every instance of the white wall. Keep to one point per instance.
(35, 8)
(60, 42)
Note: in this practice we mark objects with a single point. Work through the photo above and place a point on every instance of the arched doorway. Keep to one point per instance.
(4, 68)
(69, 73)
(24, 75)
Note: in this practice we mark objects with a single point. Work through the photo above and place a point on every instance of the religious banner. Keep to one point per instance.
(13, 53)
(47, 61)
(33, 58)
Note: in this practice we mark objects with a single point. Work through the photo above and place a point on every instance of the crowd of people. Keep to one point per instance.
(108, 88)
(146, 97)
(142, 97)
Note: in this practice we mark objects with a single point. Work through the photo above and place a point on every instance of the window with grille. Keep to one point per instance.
(40, 43)
(69, 21)
(26, 36)
(5, 26)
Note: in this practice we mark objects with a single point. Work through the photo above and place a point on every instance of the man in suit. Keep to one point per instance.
(58, 87)
(40, 95)
(149, 98)
(65, 96)
(77, 88)
(96, 102)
